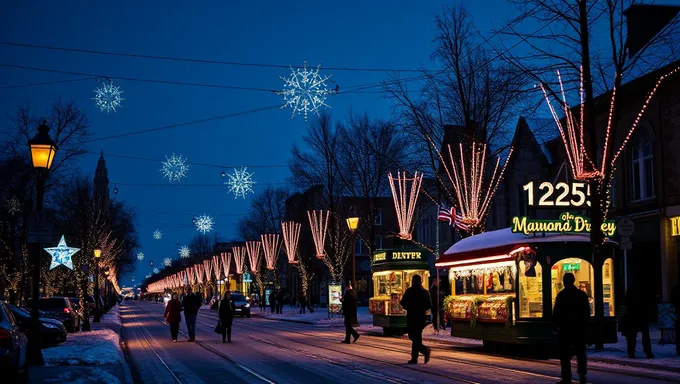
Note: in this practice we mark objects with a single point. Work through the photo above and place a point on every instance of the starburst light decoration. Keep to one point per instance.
(167, 261)
(291, 238)
(157, 235)
(61, 254)
(239, 259)
(156, 270)
(174, 168)
(140, 256)
(271, 243)
(13, 206)
(405, 200)
(254, 254)
(305, 91)
(204, 224)
(318, 221)
(240, 183)
(184, 252)
(108, 97)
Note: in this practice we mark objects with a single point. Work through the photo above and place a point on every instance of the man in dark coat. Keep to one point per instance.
(349, 311)
(436, 305)
(226, 314)
(637, 303)
(191, 303)
(279, 301)
(570, 319)
(416, 302)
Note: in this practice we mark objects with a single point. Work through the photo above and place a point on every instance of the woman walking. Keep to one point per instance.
(173, 315)
(227, 309)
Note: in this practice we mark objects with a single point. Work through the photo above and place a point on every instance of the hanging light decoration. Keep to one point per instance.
(226, 263)
(291, 238)
(405, 200)
(254, 248)
(239, 259)
(318, 221)
(217, 268)
(271, 244)
(207, 270)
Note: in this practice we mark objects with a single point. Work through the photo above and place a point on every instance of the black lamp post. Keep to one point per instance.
(43, 150)
(352, 224)
(97, 309)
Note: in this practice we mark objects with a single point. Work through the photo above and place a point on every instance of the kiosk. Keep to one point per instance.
(392, 271)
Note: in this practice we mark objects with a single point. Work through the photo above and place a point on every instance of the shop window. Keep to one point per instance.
(530, 291)
(378, 217)
(608, 287)
(643, 166)
(583, 272)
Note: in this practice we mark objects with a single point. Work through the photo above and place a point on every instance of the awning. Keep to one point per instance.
(480, 256)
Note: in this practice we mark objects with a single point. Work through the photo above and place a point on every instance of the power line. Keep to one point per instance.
(46, 83)
(190, 214)
(187, 185)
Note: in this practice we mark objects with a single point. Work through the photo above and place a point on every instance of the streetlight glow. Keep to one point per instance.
(42, 148)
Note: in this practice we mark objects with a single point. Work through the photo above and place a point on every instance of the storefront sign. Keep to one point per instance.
(675, 226)
(547, 194)
(567, 223)
(388, 256)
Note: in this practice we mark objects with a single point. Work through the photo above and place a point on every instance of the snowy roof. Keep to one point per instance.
(503, 237)
(544, 130)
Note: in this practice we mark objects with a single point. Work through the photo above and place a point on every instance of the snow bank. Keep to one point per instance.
(665, 355)
(98, 347)
(78, 376)
(319, 317)
(112, 317)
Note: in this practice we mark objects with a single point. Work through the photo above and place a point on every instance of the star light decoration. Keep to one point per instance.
(157, 235)
(13, 206)
(61, 254)
(167, 261)
(204, 224)
(140, 256)
(174, 168)
(305, 91)
(107, 97)
(240, 183)
(184, 252)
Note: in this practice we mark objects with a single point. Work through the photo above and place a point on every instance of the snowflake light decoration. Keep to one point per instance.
(240, 183)
(140, 256)
(13, 206)
(175, 168)
(204, 224)
(156, 270)
(305, 91)
(157, 235)
(107, 97)
(167, 261)
(184, 252)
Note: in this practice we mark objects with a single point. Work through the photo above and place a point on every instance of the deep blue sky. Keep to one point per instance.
(375, 34)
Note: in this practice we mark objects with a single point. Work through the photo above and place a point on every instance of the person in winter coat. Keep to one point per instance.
(570, 319)
(637, 299)
(173, 315)
(436, 299)
(191, 303)
(416, 302)
(226, 314)
(349, 311)
(303, 303)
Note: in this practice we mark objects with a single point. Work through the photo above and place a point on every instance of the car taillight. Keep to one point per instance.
(4, 334)
(67, 310)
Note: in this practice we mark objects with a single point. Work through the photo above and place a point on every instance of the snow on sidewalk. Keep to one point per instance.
(665, 355)
(318, 317)
(99, 347)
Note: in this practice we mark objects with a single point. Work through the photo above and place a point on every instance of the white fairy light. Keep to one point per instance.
(305, 91)
(217, 267)
(204, 224)
(318, 221)
(240, 182)
(225, 262)
(167, 261)
(108, 97)
(13, 206)
(140, 256)
(157, 235)
(239, 259)
(174, 168)
(291, 238)
(271, 243)
(184, 252)
(254, 254)
(405, 200)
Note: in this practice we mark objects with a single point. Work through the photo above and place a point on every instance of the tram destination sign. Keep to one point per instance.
(388, 256)
(567, 223)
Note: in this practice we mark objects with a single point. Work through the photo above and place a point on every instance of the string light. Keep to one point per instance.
(305, 91)
(272, 246)
(318, 221)
(217, 268)
(291, 237)
(239, 259)
(253, 248)
(226, 264)
(207, 270)
(405, 200)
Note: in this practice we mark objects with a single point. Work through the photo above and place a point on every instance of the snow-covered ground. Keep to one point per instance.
(665, 356)
(98, 347)
(84, 376)
(319, 317)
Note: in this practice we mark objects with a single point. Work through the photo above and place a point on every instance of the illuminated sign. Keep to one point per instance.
(675, 226)
(567, 223)
(382, 256)
(547, 194)
(407, 256)
(386, 256)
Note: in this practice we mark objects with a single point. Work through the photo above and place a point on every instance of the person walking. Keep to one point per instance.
(349, 311)
(675, 300)
(570, 320)
(263, 303)
(191, 303)
(303, 303)
(416, 301)
(436, 304)
(637, 301)
(226, 314)
(280, 301)
(173, 315)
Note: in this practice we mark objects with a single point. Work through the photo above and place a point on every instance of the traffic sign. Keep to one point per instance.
(40, 226)
(625, 243)
(625, 227)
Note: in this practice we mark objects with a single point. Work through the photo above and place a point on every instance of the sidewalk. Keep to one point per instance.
(319, 317)
(87, 357)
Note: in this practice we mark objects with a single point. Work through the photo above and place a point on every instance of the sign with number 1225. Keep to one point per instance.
(562, 194)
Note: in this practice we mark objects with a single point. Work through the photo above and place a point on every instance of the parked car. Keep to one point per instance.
(242, 305)
(60, 308)
(52, 331)
(13, 347)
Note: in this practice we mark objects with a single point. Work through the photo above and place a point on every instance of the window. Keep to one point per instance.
(358, 247)
(530, 291)
(643, 166)
(608, 287)
(378, 242)
(378, 218)
(583, 272)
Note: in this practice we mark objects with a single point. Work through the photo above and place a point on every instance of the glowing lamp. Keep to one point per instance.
(42, 147)
(352, 223)
(97, 252)
(106, 273)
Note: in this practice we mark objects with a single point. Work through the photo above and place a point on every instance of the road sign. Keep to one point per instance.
(625, 227)
(625, 243)
(40, 228)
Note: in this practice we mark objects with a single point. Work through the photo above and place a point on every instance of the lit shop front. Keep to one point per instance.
(392, 271)
(504, 283)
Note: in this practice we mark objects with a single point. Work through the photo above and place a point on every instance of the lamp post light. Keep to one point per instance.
(97, 310)
(352, 224)
(42, 150)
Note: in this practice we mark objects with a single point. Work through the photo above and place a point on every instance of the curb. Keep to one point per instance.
(635, 364)
(123, 345)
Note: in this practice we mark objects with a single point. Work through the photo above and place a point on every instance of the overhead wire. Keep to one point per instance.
(46, 83)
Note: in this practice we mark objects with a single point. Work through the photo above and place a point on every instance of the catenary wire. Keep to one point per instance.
(46, 83)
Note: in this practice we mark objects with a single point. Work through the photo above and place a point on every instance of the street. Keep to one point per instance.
(283, 352)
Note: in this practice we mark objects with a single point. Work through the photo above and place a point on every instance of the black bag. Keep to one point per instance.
(218, 327)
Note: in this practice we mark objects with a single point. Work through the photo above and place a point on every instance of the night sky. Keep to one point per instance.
(354, 34)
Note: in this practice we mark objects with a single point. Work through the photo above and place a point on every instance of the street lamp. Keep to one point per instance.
(43, 150)
(97, 309)
(352, 224)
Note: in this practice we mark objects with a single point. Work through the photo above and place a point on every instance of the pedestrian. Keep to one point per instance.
(570, 320)
(675, 300)
(280, 300)
(349, 311)
(416, 302)
(272, 301)
(173, 315)
(263, 303)
(436, 304)
(303, 303)
(226, 315)
(191, 304)
(637, 301)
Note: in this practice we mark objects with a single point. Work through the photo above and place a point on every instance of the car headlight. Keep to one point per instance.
(50, 325)
(247, 305)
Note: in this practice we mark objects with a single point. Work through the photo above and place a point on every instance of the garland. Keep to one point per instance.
(475, 308)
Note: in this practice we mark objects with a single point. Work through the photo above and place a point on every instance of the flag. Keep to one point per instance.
(459, 223)
(447, 214)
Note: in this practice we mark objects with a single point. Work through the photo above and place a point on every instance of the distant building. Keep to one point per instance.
(101, 179)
